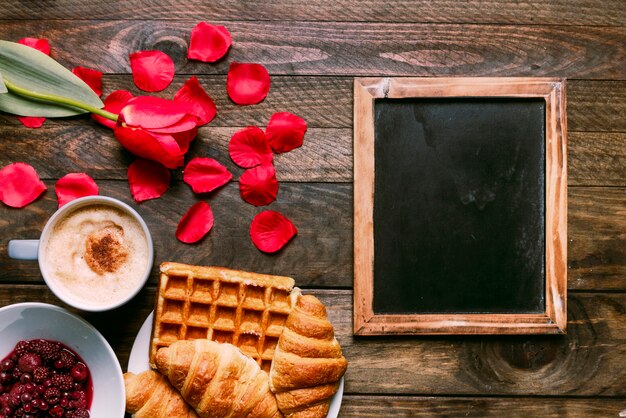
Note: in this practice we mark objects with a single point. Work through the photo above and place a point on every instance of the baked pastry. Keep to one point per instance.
(248, 310)
(218, 380)
(308, 362)
(150, 395)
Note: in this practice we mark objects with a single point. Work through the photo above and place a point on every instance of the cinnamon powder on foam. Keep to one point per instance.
(97, 254)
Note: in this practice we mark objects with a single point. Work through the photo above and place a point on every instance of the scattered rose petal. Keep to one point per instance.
(258, 186)
(195, 224)
(74, 185)
(162, 148)
(39, 44)
(285, 131)
(19, 185)
(148, 179)
(248, 148)
(247, 84)
(93, 78)
(205, 175)
(270, 231)
(202, 106)
(208, 42)
(152, 70)
(31, 121)
(114, 103)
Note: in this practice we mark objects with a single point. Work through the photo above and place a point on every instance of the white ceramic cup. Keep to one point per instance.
(35, 250)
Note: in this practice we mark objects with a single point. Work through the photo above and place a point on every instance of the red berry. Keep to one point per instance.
(21, 347)
(64, 359)
(81, 413)
(57, 411)
(79, 372)
(52, 395)
(6, 365)
(29, 362)
(40, 374)
(62, 381)
(46, 349)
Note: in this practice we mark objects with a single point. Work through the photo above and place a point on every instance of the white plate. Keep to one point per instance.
(30, 321)
(139, 362)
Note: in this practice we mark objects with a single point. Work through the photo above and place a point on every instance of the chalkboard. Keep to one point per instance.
(462, 183)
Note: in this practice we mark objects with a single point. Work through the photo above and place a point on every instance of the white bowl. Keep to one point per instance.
(29, 321)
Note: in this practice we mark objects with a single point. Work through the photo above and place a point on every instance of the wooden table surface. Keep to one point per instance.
(313, 49)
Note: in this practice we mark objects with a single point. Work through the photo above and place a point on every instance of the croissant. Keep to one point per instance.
(150, 395)
(217, 379)
(307, 363)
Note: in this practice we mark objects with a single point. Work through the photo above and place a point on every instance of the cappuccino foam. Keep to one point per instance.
(97, 254)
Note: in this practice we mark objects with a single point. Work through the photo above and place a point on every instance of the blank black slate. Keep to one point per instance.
(459, 205)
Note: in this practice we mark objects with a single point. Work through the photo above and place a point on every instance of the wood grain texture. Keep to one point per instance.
(588, 361)
(310, 48)
(326, 102)
(326, 155)
(483, 407)
(578, 12)
(321, 254)
(595, 158)
(599, 251)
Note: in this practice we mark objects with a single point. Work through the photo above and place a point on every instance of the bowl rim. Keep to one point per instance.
(117, 368)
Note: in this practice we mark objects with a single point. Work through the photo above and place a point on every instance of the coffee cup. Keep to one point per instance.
(95, 253)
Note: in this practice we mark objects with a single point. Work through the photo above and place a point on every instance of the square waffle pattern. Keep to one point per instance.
(248, 310)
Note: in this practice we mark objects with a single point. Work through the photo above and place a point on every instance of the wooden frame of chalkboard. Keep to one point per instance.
(548, 315)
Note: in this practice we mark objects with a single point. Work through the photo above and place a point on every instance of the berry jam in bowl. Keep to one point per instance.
(53, 363)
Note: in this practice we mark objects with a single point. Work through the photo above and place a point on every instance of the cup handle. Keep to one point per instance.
(24, 249)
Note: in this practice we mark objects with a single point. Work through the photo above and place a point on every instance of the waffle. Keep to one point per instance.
(248, 310)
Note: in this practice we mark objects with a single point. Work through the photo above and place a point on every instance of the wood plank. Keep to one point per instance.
(310, 48)
(596, 252)
(326, 102)
(588, 361)
(594, 159)
(326, 155)
(578, 12)
(321, 254)
(483, 407)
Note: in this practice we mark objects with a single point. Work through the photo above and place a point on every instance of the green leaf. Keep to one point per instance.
(3, 88)
(33, 70)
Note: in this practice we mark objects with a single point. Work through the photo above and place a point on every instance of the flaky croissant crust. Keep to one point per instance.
(218, 380)
(308, 362)
(150, 395)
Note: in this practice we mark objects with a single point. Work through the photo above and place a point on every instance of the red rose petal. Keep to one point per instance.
(205, 175)
(93, 78)
(258, 186)
(248, 148)
(158, 115)
(114, 103)
(195, 224)
(161, 148)
(285, 131)
(19, 185)
(183, 139)
(208, 42)
(202, 106)
(39, 44)
(74, 185)
(270, 231)
(152, 70)
(148, 179)
(31, 121)
(247, 83)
